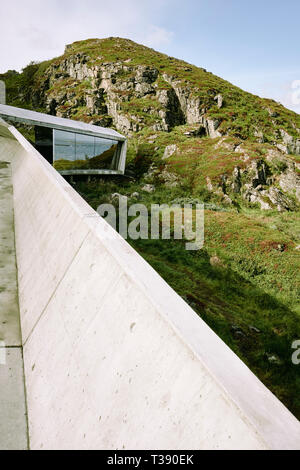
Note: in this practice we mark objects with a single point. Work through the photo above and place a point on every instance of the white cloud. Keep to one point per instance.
(157, 37)
(286, 93)
(280, 85)
(39, 30)
(292, 98)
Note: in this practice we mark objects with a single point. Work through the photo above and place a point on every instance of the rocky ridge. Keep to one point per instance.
(143, 93)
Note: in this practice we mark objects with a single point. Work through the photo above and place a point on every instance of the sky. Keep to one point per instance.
(254, 44)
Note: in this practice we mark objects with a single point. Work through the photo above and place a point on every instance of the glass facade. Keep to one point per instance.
(74, 151)
(72, 147)
(44, 142)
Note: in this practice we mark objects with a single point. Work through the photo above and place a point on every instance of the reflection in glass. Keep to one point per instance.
(85, 147)
(64, 146)
(44, 142)
(105, 151)
(74, 151)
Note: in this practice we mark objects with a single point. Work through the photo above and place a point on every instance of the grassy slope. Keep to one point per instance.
(241, 115)
(197, 158)
(242, 111)
(257, 282)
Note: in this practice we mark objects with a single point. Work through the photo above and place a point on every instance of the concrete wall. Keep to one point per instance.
(114, 358)
(2, 92)
(13, 419)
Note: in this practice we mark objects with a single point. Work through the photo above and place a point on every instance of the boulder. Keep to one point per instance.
(169, 151)
(290, 145)
(148, 188)
(236, 180)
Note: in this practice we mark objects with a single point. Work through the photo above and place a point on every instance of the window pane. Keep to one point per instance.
(64, 150)
(105, 150)
(44, 142)
(73, 151)
(85, 147)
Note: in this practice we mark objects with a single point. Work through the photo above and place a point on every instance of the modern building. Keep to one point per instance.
(73, 147)
(96, 349)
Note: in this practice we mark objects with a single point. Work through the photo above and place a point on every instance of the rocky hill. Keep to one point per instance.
(194, 137)
(166, 106)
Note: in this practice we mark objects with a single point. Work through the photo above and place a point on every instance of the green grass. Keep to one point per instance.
(256, 284)
(241, 115)
(251, 298)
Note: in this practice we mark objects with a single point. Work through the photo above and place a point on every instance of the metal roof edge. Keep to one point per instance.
(47, 120)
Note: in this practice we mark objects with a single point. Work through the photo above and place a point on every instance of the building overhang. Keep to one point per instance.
(57, 124)
(33, 118)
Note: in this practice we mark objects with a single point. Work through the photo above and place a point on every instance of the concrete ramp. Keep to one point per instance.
(13, 419)
(114, 358)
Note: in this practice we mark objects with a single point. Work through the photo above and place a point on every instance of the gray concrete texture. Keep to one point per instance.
(9, 307)
(13, 419)
(2, 92)
(113, 357)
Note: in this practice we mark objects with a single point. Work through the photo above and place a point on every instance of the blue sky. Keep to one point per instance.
(254, 44)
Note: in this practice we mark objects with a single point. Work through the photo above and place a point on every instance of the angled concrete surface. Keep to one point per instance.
(2, 92)
(114, 358)
(9, 307)
(13, 419)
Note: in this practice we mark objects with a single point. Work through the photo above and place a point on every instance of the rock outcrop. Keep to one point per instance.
(116, 82)
(290, 144)
(272, 181)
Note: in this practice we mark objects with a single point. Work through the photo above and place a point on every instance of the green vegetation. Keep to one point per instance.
(241, 115)
(250, 297)
(19, 86)
(245, 281)
(143, 107)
